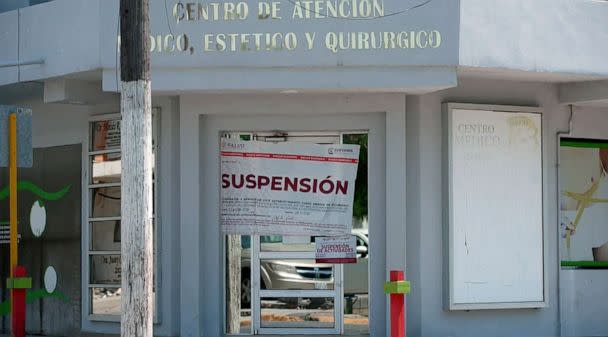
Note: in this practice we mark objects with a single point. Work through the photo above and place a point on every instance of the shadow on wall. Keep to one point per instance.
(10, 5)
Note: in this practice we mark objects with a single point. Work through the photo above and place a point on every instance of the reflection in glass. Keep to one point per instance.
(238, 284)
(356, 276)
(105, 168)
(105, 235)
(105, 301)
(105, 269)
(360, 203)
(105, 135)
(105, 202)
(296, 275)
(356, 307)
(278, 243)
(356, 314)
(297, 313)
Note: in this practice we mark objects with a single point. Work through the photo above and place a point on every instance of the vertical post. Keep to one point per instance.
(397, 307)
(136, 144)
(19, 285)
(12, 164)
(13, 189)
(234, 284)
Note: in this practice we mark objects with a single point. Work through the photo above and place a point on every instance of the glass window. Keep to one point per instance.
(105, 301)
(293, 243)
(104, 159)
(105, 135)
(105, 168)
(105, 202)
(294, 312)
(105, 269)
(105, 235)
(296, 274)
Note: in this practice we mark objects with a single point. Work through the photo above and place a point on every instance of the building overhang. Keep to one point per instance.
(590, 93)
(529, 43)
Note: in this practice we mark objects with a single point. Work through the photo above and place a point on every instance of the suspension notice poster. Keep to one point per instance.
(287, 188)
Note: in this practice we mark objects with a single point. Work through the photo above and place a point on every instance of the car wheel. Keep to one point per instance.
(245, 290)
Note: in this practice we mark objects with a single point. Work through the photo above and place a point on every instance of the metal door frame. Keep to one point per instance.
(256, 255)
(257, 293)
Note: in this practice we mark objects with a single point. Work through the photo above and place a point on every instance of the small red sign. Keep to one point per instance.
(336, 249)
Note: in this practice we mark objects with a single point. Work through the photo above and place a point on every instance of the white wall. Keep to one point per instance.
(539, 36)
(428, 214)
(425, 207)
(557, 36)
(203, 116)
(52, 124)
(64, 33)
(561, 36)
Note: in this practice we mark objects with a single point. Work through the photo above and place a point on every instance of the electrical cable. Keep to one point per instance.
(426, 2)
(370, 18)
(103, 195)
(167, 18)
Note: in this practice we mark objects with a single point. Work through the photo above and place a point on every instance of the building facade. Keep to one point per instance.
(377, 73)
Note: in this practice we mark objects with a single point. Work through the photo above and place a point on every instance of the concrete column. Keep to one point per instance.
(190, 285)
(395, 189)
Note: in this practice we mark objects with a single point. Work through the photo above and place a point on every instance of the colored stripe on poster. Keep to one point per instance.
(289, 157)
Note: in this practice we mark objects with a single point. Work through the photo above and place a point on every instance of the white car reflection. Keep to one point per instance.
(299, 274)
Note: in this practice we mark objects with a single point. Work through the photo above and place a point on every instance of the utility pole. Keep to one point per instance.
(136, 144)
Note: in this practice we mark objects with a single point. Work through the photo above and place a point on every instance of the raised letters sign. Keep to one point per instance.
(282, 44)
(298, 13)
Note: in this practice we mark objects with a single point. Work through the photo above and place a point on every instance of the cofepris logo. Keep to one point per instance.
(366, 17)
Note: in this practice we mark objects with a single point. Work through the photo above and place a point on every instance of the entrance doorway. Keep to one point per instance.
(279, 287)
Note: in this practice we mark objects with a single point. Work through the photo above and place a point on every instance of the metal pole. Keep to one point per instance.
(397, 307)
(13, 194)
(397, 288)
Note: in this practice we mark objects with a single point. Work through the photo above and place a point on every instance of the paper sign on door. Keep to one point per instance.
(336, 249)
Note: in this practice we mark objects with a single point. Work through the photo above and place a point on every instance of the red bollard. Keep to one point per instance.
(397, 307)
(397, 288)
(18, 285)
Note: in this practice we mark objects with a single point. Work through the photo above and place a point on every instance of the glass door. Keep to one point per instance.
(293, 294)
(274, 285)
